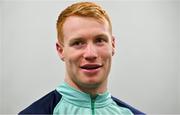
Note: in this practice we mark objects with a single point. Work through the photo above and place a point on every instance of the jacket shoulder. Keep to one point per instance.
(123, 104)
(44, 105)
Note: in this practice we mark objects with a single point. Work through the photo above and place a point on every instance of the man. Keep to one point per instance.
(86, 45)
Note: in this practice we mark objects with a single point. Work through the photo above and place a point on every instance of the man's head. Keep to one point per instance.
(86, 45)
(82, 9)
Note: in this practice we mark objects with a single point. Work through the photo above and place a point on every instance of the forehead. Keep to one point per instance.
(76, 25)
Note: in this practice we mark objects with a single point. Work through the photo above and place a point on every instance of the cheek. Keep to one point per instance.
(106, 56)
(106, 52)
(72, 58)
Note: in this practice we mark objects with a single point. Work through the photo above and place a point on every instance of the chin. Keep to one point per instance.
(93, 83)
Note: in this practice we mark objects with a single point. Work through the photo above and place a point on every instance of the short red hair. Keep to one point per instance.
(83, 9)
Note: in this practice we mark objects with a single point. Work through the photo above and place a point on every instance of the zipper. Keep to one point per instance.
(92, 105)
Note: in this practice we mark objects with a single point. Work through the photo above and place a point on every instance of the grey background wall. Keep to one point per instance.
(0, 55)
(146, 67)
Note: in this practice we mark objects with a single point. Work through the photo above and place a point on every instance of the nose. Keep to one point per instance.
(90, 52)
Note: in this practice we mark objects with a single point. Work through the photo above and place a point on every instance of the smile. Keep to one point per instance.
(91, 66)
(91, 69)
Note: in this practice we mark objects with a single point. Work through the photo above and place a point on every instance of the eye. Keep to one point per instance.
(101, 40)
(77, 44)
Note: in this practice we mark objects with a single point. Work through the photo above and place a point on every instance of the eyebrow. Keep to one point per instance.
(81, 38)
(101, 35)
(75, 39)
(104, 36)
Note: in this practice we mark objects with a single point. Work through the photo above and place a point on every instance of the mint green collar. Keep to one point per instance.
(82, 99)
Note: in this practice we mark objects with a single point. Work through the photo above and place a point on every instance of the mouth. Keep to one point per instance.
(91, 66)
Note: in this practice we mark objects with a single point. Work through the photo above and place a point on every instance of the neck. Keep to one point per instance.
(92, 90)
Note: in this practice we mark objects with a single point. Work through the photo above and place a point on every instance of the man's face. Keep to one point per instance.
(87, 51)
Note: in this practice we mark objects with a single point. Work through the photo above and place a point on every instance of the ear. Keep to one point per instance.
(60, 50)
(113, 45)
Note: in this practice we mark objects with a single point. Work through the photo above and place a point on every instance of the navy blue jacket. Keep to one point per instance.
(46, 105)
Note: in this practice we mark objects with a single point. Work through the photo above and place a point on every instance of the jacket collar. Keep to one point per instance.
(83, 99)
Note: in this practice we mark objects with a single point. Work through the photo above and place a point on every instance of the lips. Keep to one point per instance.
(91, 66)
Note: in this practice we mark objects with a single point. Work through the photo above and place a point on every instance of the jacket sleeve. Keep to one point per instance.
(123, 104)
(44, 105)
